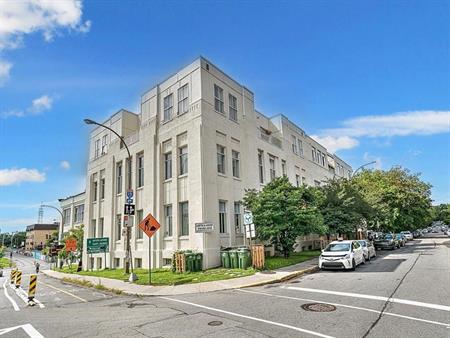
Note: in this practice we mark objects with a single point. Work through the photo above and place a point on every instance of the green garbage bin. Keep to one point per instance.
(189, 257)
(244, 258)
(199, 262)
(234, 263)
(225, 259)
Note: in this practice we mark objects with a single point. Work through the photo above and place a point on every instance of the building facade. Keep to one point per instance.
(38, 234)
(196, 145)
(73, 211)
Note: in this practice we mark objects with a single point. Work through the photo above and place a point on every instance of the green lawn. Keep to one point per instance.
(273, 263)
(4, 263)
(167, 277)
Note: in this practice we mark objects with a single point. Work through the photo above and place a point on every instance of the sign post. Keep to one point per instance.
(149, 225)
(249, 227)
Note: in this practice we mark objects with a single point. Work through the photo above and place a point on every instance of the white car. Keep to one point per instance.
(341, 255)
(408, 235)
(368, 249)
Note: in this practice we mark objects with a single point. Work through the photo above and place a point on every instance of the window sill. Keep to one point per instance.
(166, 121)
(221, 113)
(139, 240)
(222, 175)
(182, 176)
(235, 121)
(119, 194)
(168, 238)
(237, 179)
(140, 188)
(184, 238)
(167, 180)
(181, 114)
(224, 235)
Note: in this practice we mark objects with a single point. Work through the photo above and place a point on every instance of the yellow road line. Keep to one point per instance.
(63, 291)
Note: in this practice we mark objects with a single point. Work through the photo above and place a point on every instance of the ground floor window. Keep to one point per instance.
(117, 262)
(138, 263)
(99, 263)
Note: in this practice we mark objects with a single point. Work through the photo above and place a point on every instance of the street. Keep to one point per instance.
(401, 293)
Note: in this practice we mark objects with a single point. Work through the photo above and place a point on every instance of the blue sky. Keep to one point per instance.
(371, 79)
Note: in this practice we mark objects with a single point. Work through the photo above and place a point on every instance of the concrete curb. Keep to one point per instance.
(282, 279)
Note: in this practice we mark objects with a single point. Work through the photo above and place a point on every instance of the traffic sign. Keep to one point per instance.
(248, 217)
(129, 209)
(96, 245)
(130, 194)
(250, 231)
(204, 227)
(129, 200)
(149, 225)
(71, 244)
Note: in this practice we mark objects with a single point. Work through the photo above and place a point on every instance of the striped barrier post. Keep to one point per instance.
(13, 276)
(18, 279)
(32, 287)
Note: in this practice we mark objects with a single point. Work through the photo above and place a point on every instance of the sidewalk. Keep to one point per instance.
(259, 278)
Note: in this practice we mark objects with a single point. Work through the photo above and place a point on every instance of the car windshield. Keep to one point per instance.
(333, 247)
(399, 235)
(363, 243)
(387, 236)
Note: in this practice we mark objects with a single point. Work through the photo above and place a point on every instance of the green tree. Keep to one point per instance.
(343, 207)
(441, 212)
(78, 234)
(282, 212)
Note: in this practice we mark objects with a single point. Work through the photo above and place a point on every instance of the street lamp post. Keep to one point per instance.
(61, 227)
(128, 262)
(361, 167)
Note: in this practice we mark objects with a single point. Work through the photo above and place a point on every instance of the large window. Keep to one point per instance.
(139, 218)
(313, 154)
(97, 148)
(102, 188)
(168, 220)
(222, 217)
(300, 147)
(218, 99)
(323, 159)
(237, 218)
(220, 159)
(101, 224)
(272, 167)
(236, 163)
(168, 107)
(78, 213)
(283, 167)
(140, 170)
(104, 144)
(183, 98)
(167, 165)
(232, 105)
(183, 154)
(66, 214)
(93, 228)
(119, 177)
(94, 190)
(261, 166)
(184, 218)
(118, 227)
(297, 180)
(294, 145)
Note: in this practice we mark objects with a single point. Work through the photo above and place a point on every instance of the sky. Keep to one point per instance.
(368, 79)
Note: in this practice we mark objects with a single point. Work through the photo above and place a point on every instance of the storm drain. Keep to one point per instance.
(318, 307)
(215, 323)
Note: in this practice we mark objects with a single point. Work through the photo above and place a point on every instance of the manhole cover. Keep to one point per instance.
(215, 323)
(318, 307)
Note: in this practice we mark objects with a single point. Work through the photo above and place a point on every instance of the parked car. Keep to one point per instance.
(408, 235)
(368, 249)
(401, 239)
(341, 255)
(387, 241)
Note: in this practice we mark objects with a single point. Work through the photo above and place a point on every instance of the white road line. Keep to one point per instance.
(358, 295)
(350, 307)
(24, 296)
(28, 328)
(66, 292)
(249, 317)
(14, 304)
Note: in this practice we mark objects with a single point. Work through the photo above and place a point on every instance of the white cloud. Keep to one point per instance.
(370, 158)
(41, 104)
(336, 143)
(65, 165)
(5, 69)
(16, 176)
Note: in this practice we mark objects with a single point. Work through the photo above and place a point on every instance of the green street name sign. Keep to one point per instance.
(97, 245)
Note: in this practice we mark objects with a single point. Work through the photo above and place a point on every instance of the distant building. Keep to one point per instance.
(196, 145)
(38, 234)
(73, 210)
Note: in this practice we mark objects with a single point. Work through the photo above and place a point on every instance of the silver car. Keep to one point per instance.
(368, 249)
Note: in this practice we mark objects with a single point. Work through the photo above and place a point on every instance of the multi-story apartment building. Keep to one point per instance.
(73, 211)
(196, 145)
(38, 234)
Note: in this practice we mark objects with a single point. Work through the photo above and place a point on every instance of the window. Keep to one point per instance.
(218, 99)
(168, 220)
(104, 144)
(118, 227)
(139, 218)
(294, 145)
(93, 228)
(138, 263)
(168, 107)
(116, 262)
(94, 189)
(236, 163)
(102, 188)
(220, 159)
(101, 223)
(184, 218)
(232, 105)
(318, 156)
(97, 148)
(222, 217)
(119, 177)
(167, 165)
(300, 147)
(297, 180)
(261, 166)
(66, 214)
(316, 183)
(183, 153)
(78, 213)
(283, 167)
(140, 170)
(237, 218)
(183, 94)
(303, 180)
(313, 154)
(323, 159)
(272, 167)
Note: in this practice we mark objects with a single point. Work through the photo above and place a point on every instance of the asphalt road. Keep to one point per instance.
(402, 293)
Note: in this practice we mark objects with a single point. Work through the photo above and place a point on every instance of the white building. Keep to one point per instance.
(73, 210)
(197, 143)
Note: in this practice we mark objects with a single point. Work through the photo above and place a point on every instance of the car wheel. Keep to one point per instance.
(368, 255)
(353, 265)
